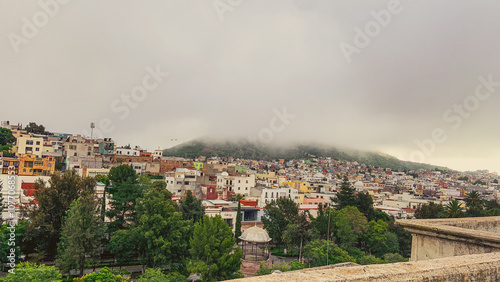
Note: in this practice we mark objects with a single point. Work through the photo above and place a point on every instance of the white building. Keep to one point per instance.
(269, 194)
(29, 145)
(127, 152)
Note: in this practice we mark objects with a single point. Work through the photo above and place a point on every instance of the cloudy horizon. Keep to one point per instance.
(415, 80)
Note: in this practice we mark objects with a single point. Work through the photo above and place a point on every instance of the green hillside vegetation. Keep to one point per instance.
(247, 150)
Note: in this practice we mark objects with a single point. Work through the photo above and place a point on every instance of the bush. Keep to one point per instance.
(104, 274)
(392, 258)
(32, 272)
(371, 260)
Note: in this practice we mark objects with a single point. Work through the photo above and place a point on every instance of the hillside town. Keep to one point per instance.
(221, 182)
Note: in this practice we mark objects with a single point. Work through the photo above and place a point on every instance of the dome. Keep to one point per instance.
(255, 234)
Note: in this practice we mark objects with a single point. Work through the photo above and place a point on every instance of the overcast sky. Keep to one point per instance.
(376, 75)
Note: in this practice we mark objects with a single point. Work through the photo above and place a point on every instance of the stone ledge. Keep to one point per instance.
(480, 267)
(454, 227)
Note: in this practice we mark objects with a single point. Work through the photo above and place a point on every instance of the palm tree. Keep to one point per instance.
(453, 209)
(474, 204)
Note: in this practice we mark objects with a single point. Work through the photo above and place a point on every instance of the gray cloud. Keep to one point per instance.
(226, 77)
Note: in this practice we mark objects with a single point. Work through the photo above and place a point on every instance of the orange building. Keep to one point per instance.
(32, 165)
(9, 162)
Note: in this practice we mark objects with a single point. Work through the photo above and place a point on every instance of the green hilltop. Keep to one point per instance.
(255, 151)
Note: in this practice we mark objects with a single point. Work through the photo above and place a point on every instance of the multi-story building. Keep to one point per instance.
(33, 165)
(29, 145)
(77, 146)
(239, 184)
(127, 152)
(107, 147)
(269, 194)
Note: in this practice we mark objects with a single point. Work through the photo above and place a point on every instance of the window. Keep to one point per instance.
(29, 142)
(75, 154)
(72, 147)
(239, 181)
(49, 165)
(38, 142)
(29, 148)
(37, 149)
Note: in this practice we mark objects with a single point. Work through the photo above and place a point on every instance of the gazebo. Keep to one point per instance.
(251, 240)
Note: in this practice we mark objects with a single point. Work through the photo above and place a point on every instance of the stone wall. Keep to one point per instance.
(439, 238)
(480, 267)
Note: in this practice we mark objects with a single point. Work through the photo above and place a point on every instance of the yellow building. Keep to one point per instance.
(30, 164)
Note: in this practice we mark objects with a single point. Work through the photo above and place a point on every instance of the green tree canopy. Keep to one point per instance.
(164, 235)
(32, 272)
(379, 240)
(104, 274)
(191, 208)
(81, 236)
(453, 209)
(212, 252)
(53, 202)
(350, 224)
(345, 197)
(277, 215)
(365, 205)
(475, 204)
(429, 210)
(316, 253)
(122, 173)
(237, 227)
(32, 127)
(155, 275)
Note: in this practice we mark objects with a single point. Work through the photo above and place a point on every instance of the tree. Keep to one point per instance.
(212, 252)
(32, 127)
(124, 245)
(404, 239)
(104, 274)
(475, 204)
(32, 272)
(237, 227)
(298, 233)
(430, 210)
(379, 240)
(350, 224)
(277, 215)
(82, 234)
(191, 208)
(6, 141)
(322, 252)
(346, 196)
(365, 205)
(53, 202)
(122, 173)
(453, 209)
(124, 196)
(163, 234)
(6, 137)
(323, 223)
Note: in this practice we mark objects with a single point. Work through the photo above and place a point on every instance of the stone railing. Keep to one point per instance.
(439, 238)
(481, 267)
